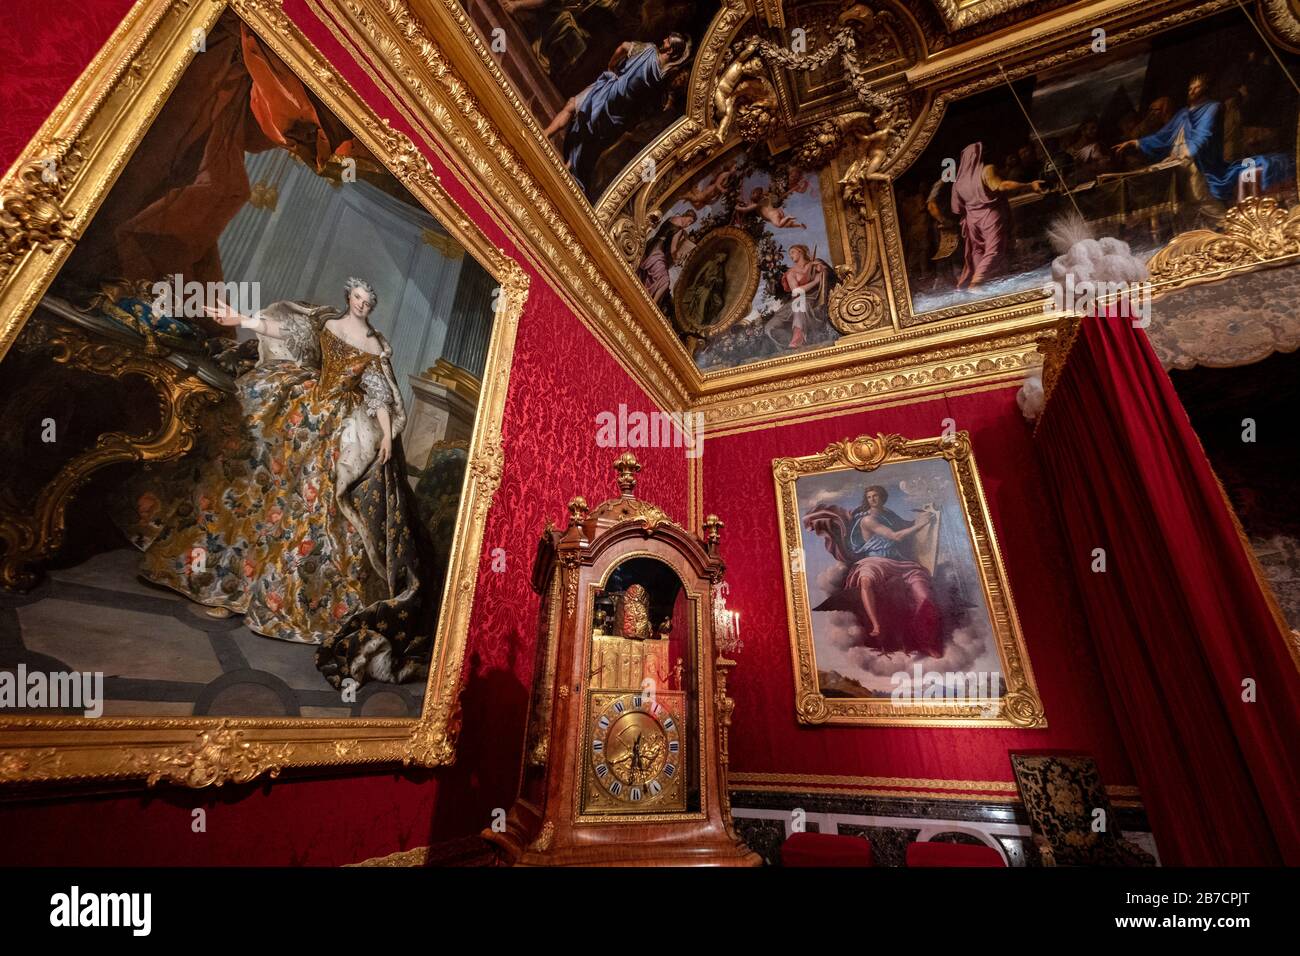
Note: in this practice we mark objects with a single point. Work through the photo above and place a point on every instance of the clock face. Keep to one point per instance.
(636, 749)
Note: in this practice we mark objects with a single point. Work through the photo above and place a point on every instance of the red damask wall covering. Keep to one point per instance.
(44, 47)
(561, 379)
(766, 737)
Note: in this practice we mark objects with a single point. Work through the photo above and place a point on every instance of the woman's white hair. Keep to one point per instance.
(355, 283)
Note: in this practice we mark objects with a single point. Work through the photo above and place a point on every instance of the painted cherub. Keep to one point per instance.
(709, 189)
(726, 96)
(774, 214)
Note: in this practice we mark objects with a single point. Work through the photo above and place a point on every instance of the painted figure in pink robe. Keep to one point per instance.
(979, 198)
(891, 593)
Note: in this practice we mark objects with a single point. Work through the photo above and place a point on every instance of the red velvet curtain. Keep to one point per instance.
(187, 179)
(1179, 617)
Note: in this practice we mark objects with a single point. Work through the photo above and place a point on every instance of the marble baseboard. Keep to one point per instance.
(766, 818)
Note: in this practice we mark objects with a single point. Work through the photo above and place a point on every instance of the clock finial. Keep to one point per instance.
(712, 526)
(626, 465)
(577, 510)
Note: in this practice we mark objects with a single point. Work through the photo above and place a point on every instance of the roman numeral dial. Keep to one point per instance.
(635, 749)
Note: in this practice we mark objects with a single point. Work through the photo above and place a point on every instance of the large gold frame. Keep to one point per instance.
(92, 135)
(1020, 706)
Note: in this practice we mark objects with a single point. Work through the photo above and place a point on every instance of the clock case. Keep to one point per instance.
(555, 821)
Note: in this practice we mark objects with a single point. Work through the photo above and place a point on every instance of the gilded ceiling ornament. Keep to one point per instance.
(628, 238)
(818, 145)
(960, 14)
(745, 67)
(873, 142)
(856, 25)
(757, 119)
(1253, 231)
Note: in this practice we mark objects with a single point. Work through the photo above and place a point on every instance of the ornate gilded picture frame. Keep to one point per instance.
(52, 195)
(900, 611)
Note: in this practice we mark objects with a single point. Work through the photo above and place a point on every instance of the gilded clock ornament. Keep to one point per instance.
(636, 752)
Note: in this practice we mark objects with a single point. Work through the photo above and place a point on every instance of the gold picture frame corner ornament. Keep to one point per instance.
(1020, 706)
(99, 124)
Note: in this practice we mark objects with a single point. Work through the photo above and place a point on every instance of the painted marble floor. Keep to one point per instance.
(162, 656)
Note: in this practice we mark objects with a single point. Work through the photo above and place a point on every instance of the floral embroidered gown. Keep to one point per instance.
(282, 512)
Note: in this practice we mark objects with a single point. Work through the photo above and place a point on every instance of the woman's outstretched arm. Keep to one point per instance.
(225, 315)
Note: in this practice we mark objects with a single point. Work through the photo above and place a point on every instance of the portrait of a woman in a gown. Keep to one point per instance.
(292, 510)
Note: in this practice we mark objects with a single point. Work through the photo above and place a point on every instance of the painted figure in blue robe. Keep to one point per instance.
(631, 89)
(1196, 132)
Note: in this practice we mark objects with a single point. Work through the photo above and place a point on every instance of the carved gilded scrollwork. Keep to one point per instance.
(1254, 231)
(31, 536)
(32, 213)
(218, 755)
(858, 304)
(628, 238)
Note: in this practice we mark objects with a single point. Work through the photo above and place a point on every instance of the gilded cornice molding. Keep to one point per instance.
(1073, 25)
(935, 370)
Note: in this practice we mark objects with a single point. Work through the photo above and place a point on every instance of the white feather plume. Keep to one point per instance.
(1067, 231)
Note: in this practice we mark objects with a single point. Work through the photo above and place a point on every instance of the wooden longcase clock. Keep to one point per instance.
(626, 757)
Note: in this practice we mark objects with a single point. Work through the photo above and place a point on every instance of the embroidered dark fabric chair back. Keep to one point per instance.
(1061, 793)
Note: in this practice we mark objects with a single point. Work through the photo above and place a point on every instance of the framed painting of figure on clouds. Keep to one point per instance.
(900, 611)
